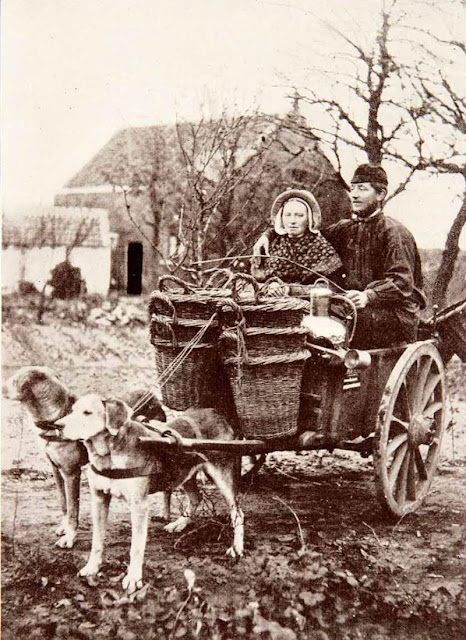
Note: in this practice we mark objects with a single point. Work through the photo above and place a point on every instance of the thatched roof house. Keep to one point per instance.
(152, 161)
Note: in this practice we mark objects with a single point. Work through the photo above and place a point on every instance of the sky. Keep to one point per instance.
(73, 72)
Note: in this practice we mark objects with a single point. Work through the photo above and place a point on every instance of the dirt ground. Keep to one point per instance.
(321, 561)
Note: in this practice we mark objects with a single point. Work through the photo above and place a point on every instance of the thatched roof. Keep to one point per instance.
(129, 155)
(57, 227)
(128, 150)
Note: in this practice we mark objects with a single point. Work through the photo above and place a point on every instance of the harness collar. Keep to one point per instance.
(121, 474)
(46, 427)
(139, 472)
(51, 425)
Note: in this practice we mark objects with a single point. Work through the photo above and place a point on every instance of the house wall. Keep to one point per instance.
(35, 264)
(127, 232)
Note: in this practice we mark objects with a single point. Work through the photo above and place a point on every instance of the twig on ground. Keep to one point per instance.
(180, 611)
(300, 530)
(374, 533)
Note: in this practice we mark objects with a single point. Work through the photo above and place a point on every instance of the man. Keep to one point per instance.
(382, 261)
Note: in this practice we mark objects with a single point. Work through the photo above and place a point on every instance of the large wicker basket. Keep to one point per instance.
(184, 329)
(191, 381)
(267, 393)
(265, 365)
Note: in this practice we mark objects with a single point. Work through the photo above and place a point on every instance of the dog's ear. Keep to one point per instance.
(117, 413)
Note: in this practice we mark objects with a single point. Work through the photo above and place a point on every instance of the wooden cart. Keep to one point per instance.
(390, 403)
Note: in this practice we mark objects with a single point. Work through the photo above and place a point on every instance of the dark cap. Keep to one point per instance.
(370, 173)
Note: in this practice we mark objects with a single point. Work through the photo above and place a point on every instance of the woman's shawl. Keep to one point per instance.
(312, 251)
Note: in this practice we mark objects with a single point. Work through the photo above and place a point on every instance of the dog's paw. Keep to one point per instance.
(234, 552)
(60, 530)
(132, 582)
(177, 526)
(90, 569)
(67, 541)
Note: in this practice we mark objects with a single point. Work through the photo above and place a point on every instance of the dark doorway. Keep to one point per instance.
(134, 287)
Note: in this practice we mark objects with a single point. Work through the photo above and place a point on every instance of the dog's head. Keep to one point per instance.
(147, 405)
(92, 415)
(39, 389)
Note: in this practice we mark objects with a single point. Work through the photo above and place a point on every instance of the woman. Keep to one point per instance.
(298, 252)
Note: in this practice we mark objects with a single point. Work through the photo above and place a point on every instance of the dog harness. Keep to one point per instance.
(139, 472)
(121, 474)
(47, 426)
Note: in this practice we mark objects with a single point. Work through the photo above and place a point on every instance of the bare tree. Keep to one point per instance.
(362, 105)
(396, 92)
(218, 154)
(441, 89)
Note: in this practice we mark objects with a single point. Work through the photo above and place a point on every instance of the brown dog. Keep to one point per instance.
(47, 400)
(122, 466)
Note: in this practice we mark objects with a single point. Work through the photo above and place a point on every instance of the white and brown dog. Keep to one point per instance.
(124, 467)
(47, 400)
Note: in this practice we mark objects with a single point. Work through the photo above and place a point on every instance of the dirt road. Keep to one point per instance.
(321, 561)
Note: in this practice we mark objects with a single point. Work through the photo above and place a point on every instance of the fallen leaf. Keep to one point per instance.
(311, 598)
(190, 578)
(65, 602)
(86, 625)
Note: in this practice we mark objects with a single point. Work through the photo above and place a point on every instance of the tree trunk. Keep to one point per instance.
(449, 256)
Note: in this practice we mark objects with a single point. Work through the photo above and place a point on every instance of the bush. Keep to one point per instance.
(26, 288)
(66, 281)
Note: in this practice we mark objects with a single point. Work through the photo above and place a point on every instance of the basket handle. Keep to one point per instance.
(321, 282)
(165, 325)
(165, 300)
(245, 277)
(230, 305)
(272, 279)
(240, 323)
(227, 275)
(187, 287)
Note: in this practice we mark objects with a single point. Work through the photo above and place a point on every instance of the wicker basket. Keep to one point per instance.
(265, 366)
(192, 381)
(183, 315)
(267, 394)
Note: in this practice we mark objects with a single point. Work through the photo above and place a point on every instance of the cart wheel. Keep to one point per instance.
(250, 466)
(410, 425)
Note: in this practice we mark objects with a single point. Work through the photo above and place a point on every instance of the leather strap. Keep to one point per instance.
(121, 474)
(46, 425)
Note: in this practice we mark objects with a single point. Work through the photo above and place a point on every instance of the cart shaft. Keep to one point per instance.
(240, 447)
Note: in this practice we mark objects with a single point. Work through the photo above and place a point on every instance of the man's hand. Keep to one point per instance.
(261, 247)
(358, 298)
(276, 290)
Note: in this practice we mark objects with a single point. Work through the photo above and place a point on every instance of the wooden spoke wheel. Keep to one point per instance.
(410, 425)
